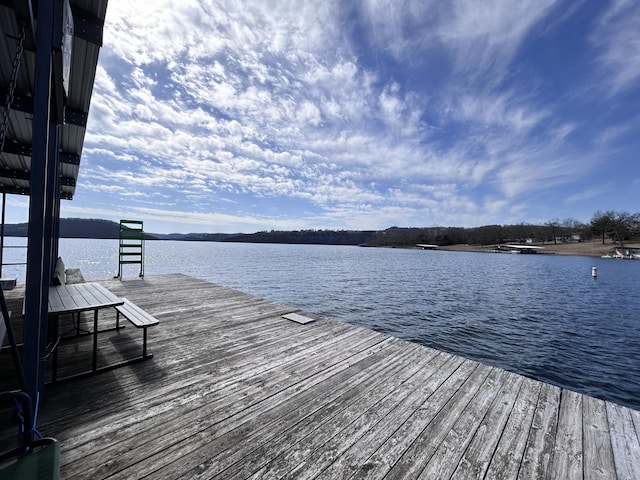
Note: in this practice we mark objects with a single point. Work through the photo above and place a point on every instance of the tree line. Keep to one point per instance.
(615, 227)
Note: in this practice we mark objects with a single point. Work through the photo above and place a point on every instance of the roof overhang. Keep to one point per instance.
(71, 88)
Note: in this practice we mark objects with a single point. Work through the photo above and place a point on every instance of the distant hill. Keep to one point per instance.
(76, 228)
(317, 237)
(195, 237)
(97, 228)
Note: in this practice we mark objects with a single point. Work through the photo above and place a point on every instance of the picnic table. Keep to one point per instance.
(76, 298)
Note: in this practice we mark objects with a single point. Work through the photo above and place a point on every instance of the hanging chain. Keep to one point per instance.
(12, 87)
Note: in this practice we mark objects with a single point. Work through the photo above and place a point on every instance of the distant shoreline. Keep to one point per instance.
(591, 248)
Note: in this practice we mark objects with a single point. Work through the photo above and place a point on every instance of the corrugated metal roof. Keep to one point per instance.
(15, 163)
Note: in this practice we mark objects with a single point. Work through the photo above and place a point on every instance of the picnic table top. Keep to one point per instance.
(80, 297)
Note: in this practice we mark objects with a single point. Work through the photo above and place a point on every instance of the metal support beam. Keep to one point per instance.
(17, 148)
(25, 150)
(40, 207)
(20, 175)
(27, 191)
(52, 220)
(88, 27)
(14, 174)
(55, 217)
(21, 102)
(24, 103)
(70, 158)
(73, 116)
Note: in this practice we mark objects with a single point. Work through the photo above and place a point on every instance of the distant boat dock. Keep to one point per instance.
(427, 246)
(237, 391)
(518, 248)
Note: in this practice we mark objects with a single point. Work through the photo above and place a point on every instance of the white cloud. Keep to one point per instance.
(618, 44)
(479, 38)
(516, 114)
(610, 134)
(589, 193)
(484, 37)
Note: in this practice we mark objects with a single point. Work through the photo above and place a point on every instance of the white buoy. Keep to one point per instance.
(594, 272)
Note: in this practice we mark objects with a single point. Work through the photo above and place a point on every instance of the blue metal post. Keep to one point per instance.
(40, 207)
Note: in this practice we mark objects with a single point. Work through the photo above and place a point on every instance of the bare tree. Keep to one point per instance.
(622, 226)
(601, 223)
(553, 226)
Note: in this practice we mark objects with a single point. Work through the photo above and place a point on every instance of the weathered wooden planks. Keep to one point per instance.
(236, 391)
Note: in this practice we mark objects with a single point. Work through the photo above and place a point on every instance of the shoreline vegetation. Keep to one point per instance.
(584, 249)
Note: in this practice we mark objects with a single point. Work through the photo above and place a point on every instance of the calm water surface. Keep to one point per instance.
(542, 316)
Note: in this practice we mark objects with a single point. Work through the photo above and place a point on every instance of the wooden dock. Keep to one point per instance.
(236, 391)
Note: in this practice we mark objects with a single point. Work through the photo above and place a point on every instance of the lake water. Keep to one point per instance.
(540, 315)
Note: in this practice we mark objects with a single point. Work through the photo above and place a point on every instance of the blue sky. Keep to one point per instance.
(216, 116)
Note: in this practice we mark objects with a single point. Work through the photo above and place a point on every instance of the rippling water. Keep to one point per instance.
(542, 316)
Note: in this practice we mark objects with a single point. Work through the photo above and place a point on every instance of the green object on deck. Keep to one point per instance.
(131, 245)
(41, 462)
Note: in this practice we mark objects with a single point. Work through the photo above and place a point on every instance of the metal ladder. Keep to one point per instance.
(131, 245)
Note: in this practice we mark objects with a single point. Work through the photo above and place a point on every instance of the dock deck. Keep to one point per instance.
(236, 391)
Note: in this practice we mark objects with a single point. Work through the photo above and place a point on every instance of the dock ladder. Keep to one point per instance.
(131, 245)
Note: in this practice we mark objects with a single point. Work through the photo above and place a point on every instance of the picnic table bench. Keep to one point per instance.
(137, 317)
